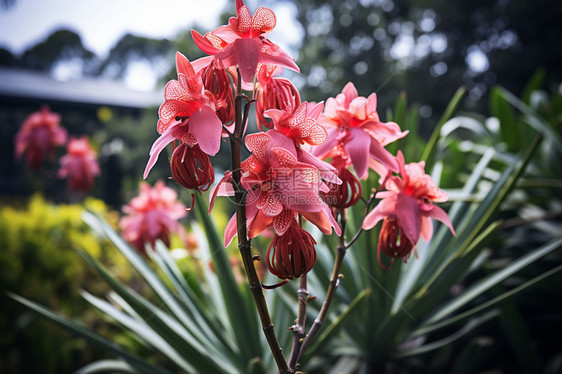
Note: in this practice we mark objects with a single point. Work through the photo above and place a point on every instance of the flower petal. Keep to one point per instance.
(323, 149)
(160, 143)
(358, 150)
(381, 154)
(206, 127)
(440, 215)
(230, 231)
(409, 216)
(183, 65)
(385, 208)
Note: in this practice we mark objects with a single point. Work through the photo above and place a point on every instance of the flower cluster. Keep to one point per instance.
(152, 215)
(79, 165)
(38, 137)
(306, 162)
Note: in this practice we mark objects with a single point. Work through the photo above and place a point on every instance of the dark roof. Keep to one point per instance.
(25, 84)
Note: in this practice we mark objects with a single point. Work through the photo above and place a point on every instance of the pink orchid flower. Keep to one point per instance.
(301, 127)
(243, 43)
(278, 188)
(152, 215)
(355, 132)
(407, 209)
(38, 136)
(188, 114)
(79, 165)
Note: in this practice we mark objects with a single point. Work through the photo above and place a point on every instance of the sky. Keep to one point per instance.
(101, 23)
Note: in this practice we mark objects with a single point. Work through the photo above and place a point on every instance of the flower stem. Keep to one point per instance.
(243, 242)
(299, 330)
(333, 285)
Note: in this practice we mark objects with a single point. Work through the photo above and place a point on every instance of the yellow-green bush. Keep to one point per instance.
(38, 260)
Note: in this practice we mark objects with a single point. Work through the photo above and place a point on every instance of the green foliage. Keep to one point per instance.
(202, 320)
(437, 303)
(38, 261)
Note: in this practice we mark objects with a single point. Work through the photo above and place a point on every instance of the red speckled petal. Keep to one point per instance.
(244, 19)
(283, 221)
(264, 20)
(284, 157)
(256, 144)
(317, 135)
(174, 91)
(269, 204)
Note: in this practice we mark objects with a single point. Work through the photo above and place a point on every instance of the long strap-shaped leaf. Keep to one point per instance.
(106, 366)
(202, 317)
(242, 315)
(150, 277)
(204, 358)
(469, 327)
(494, 279)
(427, 327)
(429, 152)
(91, 336)
(139, 328)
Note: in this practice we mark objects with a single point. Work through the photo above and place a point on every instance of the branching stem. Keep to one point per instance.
(241, 105)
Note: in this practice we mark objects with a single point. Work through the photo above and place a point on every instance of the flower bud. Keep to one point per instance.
(217, 82)
(192, 168)
(292, 254)
(393, 242)
(344, 195)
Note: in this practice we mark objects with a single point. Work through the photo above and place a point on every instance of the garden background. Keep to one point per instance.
(501, 58)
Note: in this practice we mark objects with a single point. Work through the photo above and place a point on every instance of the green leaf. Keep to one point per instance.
(148, 274)
(198, 311)
(469, 327)
(106, 366)
(201, 354)
(429, 152)
(501, 109)
(427, 328)
(534, 84)
(91, 336)
(242, 315)
(139, 328)
(532, 117)
(494, 279)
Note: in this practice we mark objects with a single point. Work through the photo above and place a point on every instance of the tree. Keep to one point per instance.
(62, 45)
(426, 48)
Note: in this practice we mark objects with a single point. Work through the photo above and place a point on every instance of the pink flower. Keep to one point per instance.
(300, 127)
(299, 123)
(188, 114)
(152, 215)
(407, 209)
(278, 188)
(79, 165)
(355, 133)
(38, 136)
(243, 43)
(273, 93)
